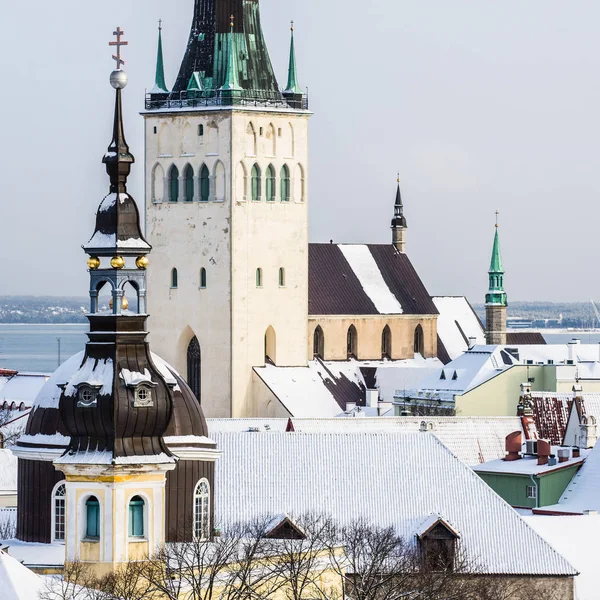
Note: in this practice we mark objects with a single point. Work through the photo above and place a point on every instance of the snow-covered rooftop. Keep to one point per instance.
(8, 472)
(16, 581)
(528, 465)
(391, 479)
(473, 440)
(21, 387)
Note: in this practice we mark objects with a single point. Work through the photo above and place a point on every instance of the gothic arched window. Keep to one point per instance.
(386, 342)
(204, 184)
(319, 343)
(255, 179)
(174, 184)
(194, 367)
(92, 510)
(285, 184)
(352, 342)
(59, 511)
(270, 346)
(202, 510)
(188, 177)
(419, 342)
(203, 278)
(174, 279)
(271, 183)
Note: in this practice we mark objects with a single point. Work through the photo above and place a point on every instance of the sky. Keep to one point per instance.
(480, 105)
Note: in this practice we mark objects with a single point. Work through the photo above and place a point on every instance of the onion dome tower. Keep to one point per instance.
(399, 223)
(496, 300)
(115, 421)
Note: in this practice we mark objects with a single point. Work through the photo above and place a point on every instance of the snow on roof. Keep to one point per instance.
(457, 323)
(8, 472)
(36, 554)
(323, 388)
(396, 480)
(22, 387)
(365, 268)
(39, 439)
(527, 465)
(16, 581)
(94, 372)
(50, 393)
(473, 440)
(576, 538)
(583, 492)
(134, 378)
(106, 457)
(166, 371)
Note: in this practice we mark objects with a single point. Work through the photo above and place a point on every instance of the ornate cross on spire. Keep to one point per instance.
(232, 21)
(292, 25)
(497, 213)
(118, 33)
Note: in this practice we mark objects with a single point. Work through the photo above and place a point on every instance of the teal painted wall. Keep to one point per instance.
(513, 488)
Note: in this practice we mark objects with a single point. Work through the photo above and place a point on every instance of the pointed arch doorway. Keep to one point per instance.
(194, 368)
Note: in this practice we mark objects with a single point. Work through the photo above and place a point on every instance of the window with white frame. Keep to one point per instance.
(143, 397)
(59, 508)
(531, 492)
(202, 510)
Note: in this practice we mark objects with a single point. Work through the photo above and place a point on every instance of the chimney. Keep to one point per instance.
(576, 452)
(514, 445)
(563, 455)
(573, 350)
(372, 398)
(472, 342)
(544, 450)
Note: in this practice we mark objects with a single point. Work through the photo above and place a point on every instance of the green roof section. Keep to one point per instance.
(496, 263)
(160, 85)
(293, 87)
(195, 84)
(496, 294)
(232, 79)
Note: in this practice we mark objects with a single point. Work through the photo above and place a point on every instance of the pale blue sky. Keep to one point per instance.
(480, 104)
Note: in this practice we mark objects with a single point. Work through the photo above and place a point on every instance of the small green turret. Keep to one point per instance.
(496, 300)
(293, 91)
(231, 87)
(160, 85)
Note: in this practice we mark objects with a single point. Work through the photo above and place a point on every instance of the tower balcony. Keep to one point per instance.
(225, 98)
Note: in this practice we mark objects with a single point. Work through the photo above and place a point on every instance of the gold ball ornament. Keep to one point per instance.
(93, 263)
(124, 303)
(118, 262)
(142, 262)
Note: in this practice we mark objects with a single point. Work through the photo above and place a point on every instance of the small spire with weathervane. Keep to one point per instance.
(399, 222)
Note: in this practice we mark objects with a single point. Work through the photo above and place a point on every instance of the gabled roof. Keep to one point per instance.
(347, 279)
(550, 414)
(16, 581)
(21, 387)
(391, 479)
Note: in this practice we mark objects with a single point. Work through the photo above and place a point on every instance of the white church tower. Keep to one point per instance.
(226, 208)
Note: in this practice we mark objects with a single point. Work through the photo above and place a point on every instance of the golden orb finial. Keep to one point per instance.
(124, 303)
(93, 263)
(142, 262)
(117, 262)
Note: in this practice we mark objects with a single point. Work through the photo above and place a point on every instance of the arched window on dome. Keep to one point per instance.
(204, 184)
(92, 511)
(194, 367)
(202, 510)
(285, 184)
(174, 184)
(188, 178)
(255, 183)
(59, 512)
(136, 517)
(271, 183)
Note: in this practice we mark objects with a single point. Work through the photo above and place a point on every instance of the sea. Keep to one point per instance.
(41, 348)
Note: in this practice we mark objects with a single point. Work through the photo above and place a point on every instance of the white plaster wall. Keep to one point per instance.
(190, 236)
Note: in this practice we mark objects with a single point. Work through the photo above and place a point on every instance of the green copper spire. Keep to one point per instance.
(160, 85)
(496, 294)
(232, 80)
(292, 84)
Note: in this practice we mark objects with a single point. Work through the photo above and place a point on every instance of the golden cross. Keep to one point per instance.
(118, 33)
(232, 20)
(292, 25)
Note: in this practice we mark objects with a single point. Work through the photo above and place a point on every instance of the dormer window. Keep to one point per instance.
(438, 541)
(143, 397)
(87, 397)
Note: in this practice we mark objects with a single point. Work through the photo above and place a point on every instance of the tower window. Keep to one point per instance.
(174, 279)
(285, 184)
(352, 342)
(202, 510)
(282, 277)
(204, 184)
(200, 130)
(136, 517)
(259, 278)
(188, 177)
(143, 397)
(419, 343)
(174, 184)
(203, 278)
(271, 183)
(194, 367)
(279, 132)
(59, 506)
(319, 343)
(155, 130)
(260, 131)
(88, 397)
(255, 180)
(92, 509)
(386, 342)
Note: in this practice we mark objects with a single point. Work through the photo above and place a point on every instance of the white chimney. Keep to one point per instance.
(573, 350)
(350, 407)
(472, 342)
(372, 398)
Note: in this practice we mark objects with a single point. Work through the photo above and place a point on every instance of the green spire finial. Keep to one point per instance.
(160, 85)
(496, 294)
(292, 84)
(232, 80)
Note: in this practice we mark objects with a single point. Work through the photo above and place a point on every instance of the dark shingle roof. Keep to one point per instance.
(334, 288)
(525, 338)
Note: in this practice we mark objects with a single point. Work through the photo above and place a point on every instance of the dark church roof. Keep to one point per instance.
(525, 338)
(364, 280)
